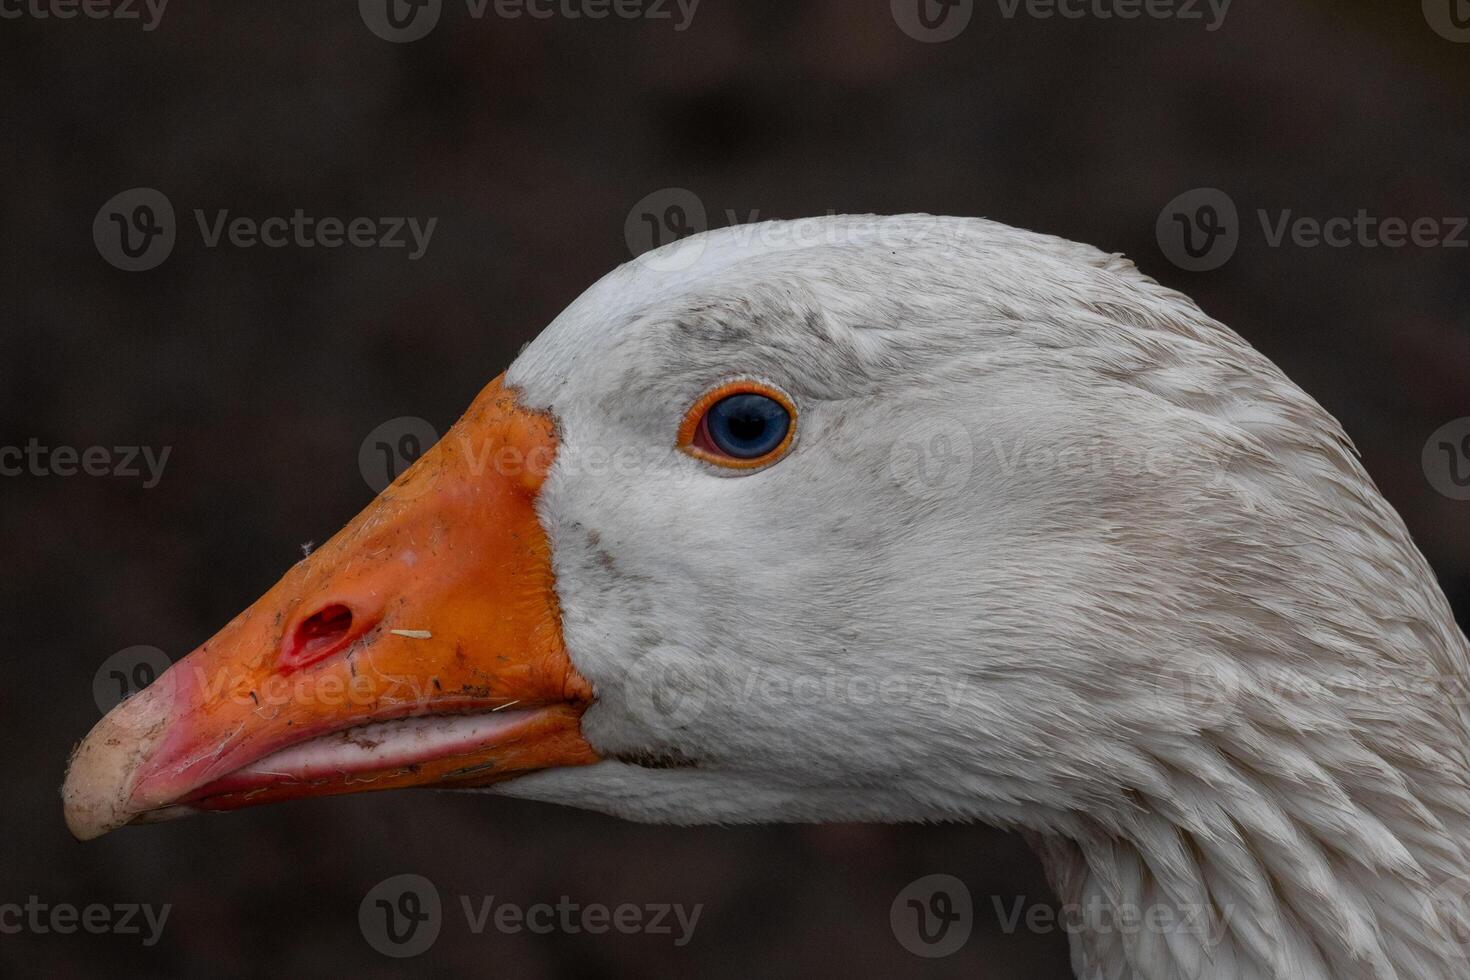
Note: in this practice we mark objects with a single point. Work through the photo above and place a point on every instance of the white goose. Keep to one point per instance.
(1195, 656)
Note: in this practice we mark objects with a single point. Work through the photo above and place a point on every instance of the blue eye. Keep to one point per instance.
(741, 425)
(747, 426)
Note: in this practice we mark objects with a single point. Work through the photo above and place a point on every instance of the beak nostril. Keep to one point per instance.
(319, 635)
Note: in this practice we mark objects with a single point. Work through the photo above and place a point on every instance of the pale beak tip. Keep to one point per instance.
(97, 795)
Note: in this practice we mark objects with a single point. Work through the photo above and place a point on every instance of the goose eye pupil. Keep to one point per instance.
(748, 426)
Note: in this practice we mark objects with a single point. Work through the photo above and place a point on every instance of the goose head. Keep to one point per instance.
(898, 519)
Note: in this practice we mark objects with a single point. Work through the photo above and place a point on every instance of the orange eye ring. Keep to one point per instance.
(693, 431)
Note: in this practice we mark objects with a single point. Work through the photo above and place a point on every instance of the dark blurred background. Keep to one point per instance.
(531, 141)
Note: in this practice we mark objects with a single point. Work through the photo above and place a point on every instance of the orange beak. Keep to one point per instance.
(421, 645)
